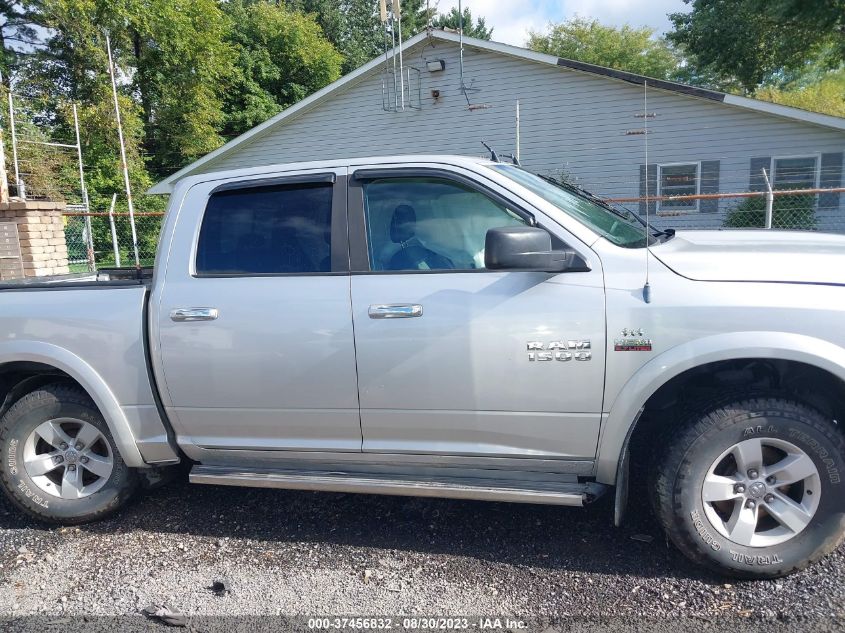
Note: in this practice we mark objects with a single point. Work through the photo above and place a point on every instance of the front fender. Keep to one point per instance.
(90, 380)
(720, 347)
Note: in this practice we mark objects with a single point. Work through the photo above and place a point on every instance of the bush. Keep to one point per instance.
(794, 211)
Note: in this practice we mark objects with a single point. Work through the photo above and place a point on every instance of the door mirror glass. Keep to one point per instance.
(528, 248)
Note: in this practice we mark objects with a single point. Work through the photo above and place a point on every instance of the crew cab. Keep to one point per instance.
(444, 326)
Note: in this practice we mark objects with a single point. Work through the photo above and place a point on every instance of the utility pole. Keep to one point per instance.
(123, 162)
(4, 179)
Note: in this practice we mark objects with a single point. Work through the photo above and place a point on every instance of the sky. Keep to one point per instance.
(512, 19)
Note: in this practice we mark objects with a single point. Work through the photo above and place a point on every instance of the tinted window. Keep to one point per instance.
(279, 229)
(429, 224)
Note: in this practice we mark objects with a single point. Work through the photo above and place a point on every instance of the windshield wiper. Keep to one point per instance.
(587, 195)
(583, 193)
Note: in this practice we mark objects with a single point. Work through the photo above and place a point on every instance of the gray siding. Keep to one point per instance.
(571, 122)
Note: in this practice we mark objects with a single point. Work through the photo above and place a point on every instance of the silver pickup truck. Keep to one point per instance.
(451, 327)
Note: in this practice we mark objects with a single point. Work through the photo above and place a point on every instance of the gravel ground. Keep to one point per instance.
(298, 553)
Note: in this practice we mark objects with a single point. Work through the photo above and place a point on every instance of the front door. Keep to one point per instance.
(454, 359)
(254, 321)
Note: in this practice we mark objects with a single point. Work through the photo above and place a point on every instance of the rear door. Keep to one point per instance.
(454, 359)
(254, 322)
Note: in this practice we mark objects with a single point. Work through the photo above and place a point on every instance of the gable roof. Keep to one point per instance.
(795, 114)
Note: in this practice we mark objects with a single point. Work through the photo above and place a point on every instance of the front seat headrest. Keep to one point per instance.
(403, 223)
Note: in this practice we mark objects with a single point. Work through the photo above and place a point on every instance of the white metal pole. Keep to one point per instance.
(461, 40)
(401, 65)
(89, 243)
(79, 156)
(21, 192)
(647, 286)
(393, 59)
(770, 200)
(4, 180)
(517, 131)
(114, 244)
(123, 157)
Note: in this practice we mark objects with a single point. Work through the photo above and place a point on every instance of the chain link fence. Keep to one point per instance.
(792, 209)
(98, 240)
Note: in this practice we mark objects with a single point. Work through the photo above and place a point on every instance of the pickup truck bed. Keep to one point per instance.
(94, 331)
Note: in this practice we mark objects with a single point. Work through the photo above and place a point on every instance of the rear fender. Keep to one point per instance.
(89, 380)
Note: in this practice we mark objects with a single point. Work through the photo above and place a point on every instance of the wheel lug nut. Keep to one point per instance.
(739, 488)
(83, 459)
(79, 446)
(770, 479)
(769, 498)
(63, 445)
(71, 467)
(752, 473)
(59, 459)
(751, 504)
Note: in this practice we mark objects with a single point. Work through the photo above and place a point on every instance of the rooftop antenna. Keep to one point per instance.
(466, 89)
(390, 15)
(647, 286)
(493, 155)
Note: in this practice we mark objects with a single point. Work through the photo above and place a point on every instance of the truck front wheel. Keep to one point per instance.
(60, 462)
(754, 488)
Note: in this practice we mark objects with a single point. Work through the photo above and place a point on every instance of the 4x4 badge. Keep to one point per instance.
(632, 340)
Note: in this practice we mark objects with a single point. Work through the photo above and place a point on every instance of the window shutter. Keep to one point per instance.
(709, 184)
(756, 182)
(830, 178)
(652, 187)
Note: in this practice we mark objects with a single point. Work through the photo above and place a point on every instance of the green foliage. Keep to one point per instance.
(757, 42)
(189, 73)
(625, 48)
(452, 20)
(826, 95)
(183, 65)
(788, 212)
(353, 26)
(281, 57)
(16, 34)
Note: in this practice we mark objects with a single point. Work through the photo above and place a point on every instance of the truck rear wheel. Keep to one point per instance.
(753, 489)
(60, 461)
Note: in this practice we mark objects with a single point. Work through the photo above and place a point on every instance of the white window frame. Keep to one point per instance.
(666, 205)
(816, 157)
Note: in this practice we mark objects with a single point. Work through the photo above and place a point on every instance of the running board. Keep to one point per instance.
(547, 492)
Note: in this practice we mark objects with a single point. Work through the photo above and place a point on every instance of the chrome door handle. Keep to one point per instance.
(194, 314)
(395, 311)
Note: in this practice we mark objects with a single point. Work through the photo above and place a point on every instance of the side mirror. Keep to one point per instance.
(528, 248)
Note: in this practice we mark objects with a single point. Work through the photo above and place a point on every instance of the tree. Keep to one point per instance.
(452, 20)
(17, 33)
(353, 26)
(626, 48)
(826, 95)
(281, 56)
(758, 42)
(170, 55)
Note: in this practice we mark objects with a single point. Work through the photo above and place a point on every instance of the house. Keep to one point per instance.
(591, 125)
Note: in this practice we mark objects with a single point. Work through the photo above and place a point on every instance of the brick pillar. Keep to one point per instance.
(42, 235)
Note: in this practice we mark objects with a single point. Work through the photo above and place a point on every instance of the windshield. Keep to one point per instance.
(623, 228)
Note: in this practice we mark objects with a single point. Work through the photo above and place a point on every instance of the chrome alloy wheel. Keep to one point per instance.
(761, 492)
(68, 458)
